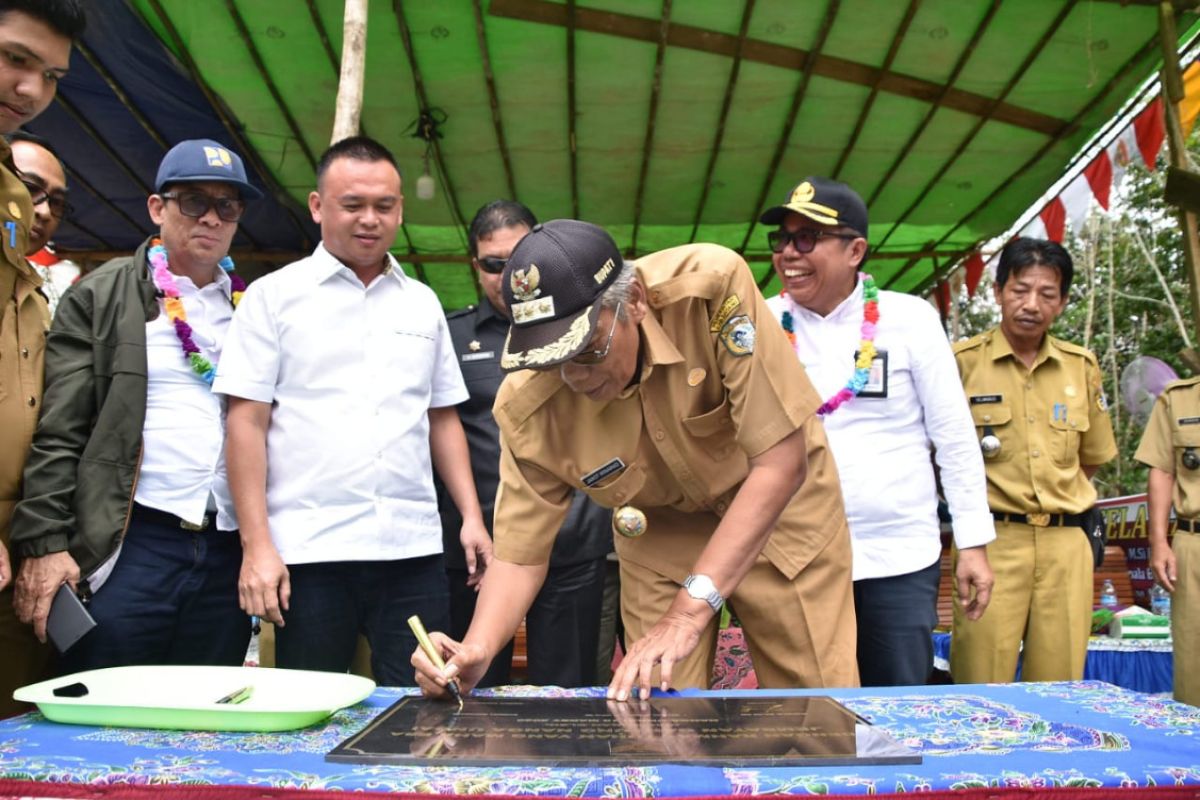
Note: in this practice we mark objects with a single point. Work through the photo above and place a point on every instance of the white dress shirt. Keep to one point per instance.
(882, 445)
(183, 438)
(351, 373)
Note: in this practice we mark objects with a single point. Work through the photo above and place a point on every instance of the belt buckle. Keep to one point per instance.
(193, 526)
(1040, 520)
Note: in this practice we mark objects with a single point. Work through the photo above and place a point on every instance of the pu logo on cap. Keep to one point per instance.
(218, 157)
(525, 282)
(803, 193)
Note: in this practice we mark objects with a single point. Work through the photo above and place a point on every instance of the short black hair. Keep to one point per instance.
(33, 138)
(494, 216)
(1024, 252)
(64, 16)
(359, 148)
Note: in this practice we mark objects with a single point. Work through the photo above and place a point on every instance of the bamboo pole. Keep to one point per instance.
(1172, 83)
(348, 110)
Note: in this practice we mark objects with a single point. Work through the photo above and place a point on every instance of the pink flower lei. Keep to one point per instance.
(866, 348)
(173, 306)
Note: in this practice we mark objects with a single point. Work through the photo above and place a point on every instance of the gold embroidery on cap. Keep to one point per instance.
(727, 308)
(533, 310)
(602, 273)
(803, 193)
(525, 282)
(556, 350)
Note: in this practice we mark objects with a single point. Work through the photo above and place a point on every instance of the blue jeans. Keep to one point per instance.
(171, 599)
(896, 616)
(333, 602)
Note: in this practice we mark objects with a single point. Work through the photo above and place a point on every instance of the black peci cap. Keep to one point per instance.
(823, 201)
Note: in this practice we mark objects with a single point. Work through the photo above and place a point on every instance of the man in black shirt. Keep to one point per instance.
(562, 626)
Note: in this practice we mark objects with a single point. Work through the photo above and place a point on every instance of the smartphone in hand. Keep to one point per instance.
(69, 619)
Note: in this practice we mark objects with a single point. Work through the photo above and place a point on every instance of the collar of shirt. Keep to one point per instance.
(326, 265)
(220, 278)
(1002, 348)
(485, 312)
(851, 305)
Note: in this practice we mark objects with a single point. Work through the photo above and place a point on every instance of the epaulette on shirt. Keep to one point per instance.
(462, 312)
(523, 393)
(978, 340)
(1182, 383)
(1074, 349)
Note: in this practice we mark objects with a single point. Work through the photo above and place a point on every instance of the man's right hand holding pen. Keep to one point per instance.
(464, 665)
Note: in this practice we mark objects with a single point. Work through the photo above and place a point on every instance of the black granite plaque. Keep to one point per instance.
(581, 731)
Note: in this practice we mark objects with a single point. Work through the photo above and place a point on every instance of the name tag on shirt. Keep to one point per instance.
(877, 376)
(484, 356)
(981, 399)
(602, 472)
(1188, 420)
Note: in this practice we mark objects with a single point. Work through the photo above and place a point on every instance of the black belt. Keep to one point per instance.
(1187, 525)
(147, 514)
(1042, 520)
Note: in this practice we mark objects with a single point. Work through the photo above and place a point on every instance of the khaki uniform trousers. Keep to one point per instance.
(801, 632)
(1043, 595)
(1185, 617)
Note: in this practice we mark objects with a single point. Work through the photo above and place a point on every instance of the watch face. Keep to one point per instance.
(700, 587)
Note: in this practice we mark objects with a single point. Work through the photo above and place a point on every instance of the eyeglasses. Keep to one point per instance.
(197, 204)
(804, 240)
(590, 358)
(59, 207)
(492, 266)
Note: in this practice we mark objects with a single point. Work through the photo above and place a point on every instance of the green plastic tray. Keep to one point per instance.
(185, 698)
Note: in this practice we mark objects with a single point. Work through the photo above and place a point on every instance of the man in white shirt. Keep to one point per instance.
(125, 494)
(342, 383)
(884, 366)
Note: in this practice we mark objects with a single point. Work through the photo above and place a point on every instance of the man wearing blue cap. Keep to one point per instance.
(126, 498)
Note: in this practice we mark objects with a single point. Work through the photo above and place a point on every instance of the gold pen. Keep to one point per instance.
(427, 647)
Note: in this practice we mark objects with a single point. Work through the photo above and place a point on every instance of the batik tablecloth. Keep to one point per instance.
(1085, 734)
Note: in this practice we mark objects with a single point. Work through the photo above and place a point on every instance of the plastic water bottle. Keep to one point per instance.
(1160, 601)
(1108, 595)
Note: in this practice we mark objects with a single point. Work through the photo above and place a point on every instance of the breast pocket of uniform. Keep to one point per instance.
(619, 489)
(1183, 439)
(1067, 428)
(714, 428)
(994, 419)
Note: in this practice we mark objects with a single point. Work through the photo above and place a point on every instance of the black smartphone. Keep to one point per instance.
(69, 619)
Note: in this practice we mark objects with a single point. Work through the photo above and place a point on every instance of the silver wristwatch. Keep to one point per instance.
(701, 587)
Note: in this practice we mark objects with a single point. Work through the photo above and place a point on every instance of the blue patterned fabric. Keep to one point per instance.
(1085, 734)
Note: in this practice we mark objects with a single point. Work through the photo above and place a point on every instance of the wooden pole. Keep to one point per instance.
(1172, 83)
(348, 111)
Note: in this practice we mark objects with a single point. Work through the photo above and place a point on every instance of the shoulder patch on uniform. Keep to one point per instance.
(738, 335)
(462, 312)
(967, 344)
(722, 316)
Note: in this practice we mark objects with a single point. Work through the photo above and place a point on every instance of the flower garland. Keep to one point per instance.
(173, 306)
(866, 348)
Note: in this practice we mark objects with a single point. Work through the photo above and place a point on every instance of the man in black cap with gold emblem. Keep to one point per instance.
(657, 390)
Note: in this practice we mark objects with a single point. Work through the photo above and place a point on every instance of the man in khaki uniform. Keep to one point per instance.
(1042, 419)
(36, 37)
(1171, 448)
(664, 391)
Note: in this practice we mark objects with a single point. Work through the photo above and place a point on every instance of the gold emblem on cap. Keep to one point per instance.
(14, 209)
(803, 193)
(628, 521)
(525, 282)
(474, 346)
(695, 376)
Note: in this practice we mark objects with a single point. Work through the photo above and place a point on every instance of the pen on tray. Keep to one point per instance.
(428, 648)
(237, 696)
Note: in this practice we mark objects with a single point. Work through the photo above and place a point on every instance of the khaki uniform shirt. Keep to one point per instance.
(719, 384)
(24, 318)
(1052, 420)
(1174, 426)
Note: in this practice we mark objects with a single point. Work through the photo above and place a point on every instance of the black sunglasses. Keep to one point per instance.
(197, 204)
(804, 240)
(492, 266)
(59, 207)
